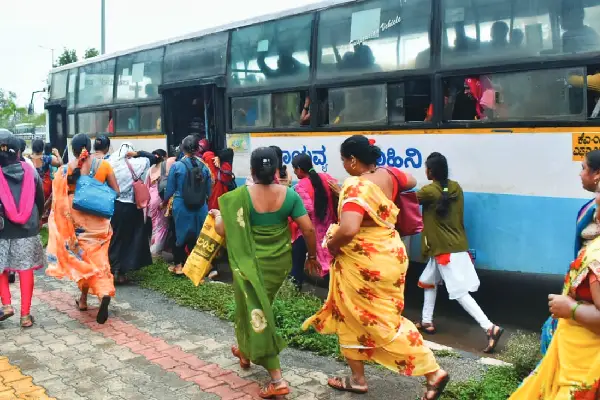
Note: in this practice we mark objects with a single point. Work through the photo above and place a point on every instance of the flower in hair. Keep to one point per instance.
(371, 142)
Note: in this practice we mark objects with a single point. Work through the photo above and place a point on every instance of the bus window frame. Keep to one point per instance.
(115, 114)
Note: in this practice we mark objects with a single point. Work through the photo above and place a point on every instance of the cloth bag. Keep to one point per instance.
(141, 194)
(199, 262)
(93, 197)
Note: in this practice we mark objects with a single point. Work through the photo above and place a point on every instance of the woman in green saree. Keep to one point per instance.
(254, 221)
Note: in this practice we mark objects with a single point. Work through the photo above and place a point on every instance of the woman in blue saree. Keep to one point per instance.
(587, 227)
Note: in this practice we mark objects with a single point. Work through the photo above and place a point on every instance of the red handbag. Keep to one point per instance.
(141, 194)
(410, 219)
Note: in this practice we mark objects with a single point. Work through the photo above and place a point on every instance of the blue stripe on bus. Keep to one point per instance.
(529, 234)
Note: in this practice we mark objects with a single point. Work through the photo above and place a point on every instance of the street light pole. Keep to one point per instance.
(102, 26)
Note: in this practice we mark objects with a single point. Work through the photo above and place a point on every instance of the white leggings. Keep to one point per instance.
(467, 302)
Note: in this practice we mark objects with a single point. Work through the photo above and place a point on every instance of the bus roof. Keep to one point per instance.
(222, 28)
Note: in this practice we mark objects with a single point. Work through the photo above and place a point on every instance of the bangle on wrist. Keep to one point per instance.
(574, 311)
(311, 257)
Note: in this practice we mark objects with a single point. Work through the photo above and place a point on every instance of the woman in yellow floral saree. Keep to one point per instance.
(366, 292)
(570, 370)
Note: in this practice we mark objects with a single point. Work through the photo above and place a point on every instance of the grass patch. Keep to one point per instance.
(44, 236)
(446, 354)
(291, 308)
(498, 383)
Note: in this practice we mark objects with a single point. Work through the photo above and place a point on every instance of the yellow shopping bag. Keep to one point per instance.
(207, 246)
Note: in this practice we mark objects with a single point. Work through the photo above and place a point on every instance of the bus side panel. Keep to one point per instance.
(522, 191)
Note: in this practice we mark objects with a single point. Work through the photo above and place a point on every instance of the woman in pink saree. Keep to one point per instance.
(316, 195)
(156, 209)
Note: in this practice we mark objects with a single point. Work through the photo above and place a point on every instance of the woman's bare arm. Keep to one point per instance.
(111, 179)
(586, 314)
(308, 232)
(350, 223)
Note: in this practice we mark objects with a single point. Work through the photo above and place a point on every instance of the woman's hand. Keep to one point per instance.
(312, 266)
(335, 188)
(217, 162)
(561, 306)
(132, 154)
(215, 213)
(333, 250)
(55, 153)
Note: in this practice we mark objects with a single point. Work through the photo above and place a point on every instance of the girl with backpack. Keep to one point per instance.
(156, 181)
(189, 184)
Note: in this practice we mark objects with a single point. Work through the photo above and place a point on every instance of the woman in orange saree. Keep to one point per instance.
(78, 242)
(366, 290)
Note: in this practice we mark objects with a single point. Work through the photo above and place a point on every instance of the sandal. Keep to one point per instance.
(78, 304)
(345, 385)
(27, 321)
(271, 390)
(176, 270)
(493, 336)
(7, 312)
(437, 388)
(426, 327)
(244, 364)
(103, 310)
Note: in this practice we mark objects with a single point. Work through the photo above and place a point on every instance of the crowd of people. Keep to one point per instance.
(273, 231)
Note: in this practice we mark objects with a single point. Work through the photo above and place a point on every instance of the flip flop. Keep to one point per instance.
(79, 307)
(103, 310)
(493, 335)
(27, 321)
(426, 328)
(345, 385)
(271, 392)
(244, 364)
(7, 312)
(438, 388)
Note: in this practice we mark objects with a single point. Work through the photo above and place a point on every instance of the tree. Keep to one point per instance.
(67, 57)
(10, 114)
(91, 52)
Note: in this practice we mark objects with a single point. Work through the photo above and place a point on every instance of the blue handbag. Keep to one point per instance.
(93, 197)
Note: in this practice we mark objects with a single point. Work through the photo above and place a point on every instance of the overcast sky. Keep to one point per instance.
(25, 25)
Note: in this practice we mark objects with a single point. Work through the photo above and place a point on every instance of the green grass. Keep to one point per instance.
(291, 308)
(497, 383)
(446, 354)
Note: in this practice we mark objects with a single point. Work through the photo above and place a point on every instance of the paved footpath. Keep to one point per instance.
(152, 348)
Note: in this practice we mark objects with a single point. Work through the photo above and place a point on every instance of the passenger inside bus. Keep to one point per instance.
(516, 38)
(578, 37)
(287, 65)
(305, 115)
(499, 35)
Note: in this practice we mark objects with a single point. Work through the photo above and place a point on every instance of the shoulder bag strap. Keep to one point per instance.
(163, 170)
(133, 175)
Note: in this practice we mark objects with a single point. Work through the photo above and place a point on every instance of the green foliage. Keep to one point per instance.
(91, 52)
(291, 307)
(44, 236)
(498, 383)
(67, 57)
(446, 354)
(10, 113)
(523, 352)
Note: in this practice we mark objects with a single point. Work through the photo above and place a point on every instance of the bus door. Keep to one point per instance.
(57, 127)
(194, 110)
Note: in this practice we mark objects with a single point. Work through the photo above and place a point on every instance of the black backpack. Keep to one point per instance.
(231, 185)
(195, 187)
(162, 181)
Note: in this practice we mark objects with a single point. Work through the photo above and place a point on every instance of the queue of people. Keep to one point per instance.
(346, 235)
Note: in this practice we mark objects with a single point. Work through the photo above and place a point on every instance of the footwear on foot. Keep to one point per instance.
(274, 389)
(7, 312)
(244, 363)
(81, 306)
(493, 335)
(103, 311)
(434, 390)
(347, 384)
(426, 327)
(27, 321)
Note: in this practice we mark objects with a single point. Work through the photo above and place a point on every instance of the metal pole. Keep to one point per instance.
(52, 65)
(103, 26)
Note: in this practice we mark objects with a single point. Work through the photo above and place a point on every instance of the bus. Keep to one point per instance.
(506, 89)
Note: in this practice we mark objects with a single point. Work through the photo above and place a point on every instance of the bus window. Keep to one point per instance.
(519, 96)
(409, 101)
(251, 112)
(127, 120)
(71, 88)
(580, 26)
(71, 125)
(58, 88)
(150, 119)
(139, 75)
(93, 123)
(291, 109)
(374, 36)
(358, 105)
(196, 58)
(96, 84)
(276, 51)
